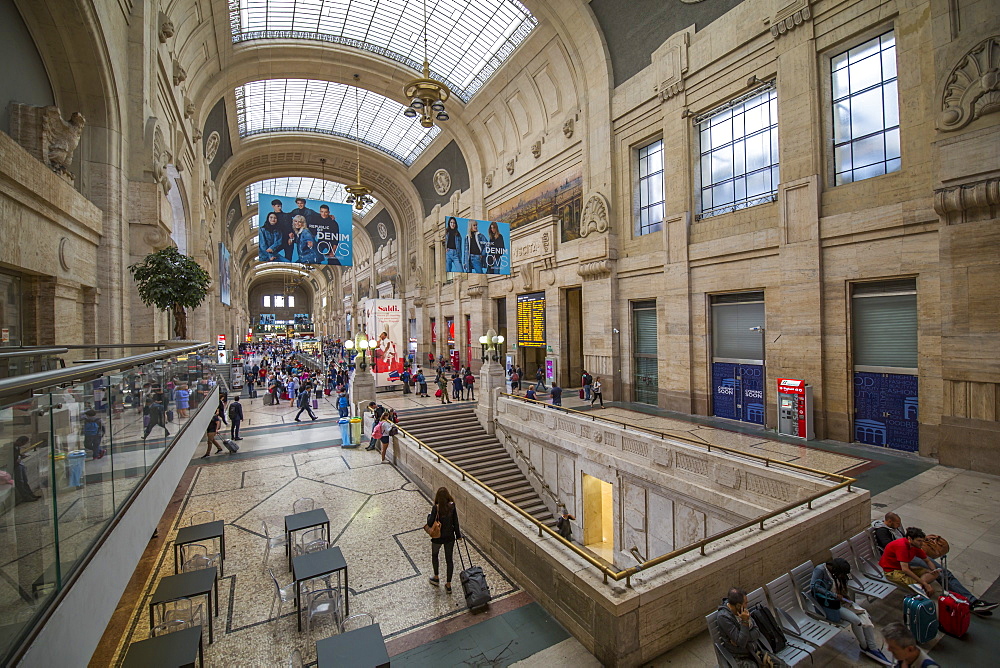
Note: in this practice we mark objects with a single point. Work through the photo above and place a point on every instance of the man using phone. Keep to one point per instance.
(740, 636)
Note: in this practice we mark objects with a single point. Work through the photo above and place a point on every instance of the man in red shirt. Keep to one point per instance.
(896, 559)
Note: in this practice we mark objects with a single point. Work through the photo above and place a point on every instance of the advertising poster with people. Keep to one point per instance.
(294, 229)
(476, 246)
(384, 323)
(224, 274)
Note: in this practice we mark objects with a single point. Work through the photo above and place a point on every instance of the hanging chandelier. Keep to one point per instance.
(427, 96)
(359, 195)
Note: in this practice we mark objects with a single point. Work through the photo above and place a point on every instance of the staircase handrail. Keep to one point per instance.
(527, 460)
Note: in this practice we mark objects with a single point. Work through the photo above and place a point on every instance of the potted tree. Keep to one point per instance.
(171, 281)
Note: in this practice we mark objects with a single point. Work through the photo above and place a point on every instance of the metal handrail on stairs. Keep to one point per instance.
(531, 467)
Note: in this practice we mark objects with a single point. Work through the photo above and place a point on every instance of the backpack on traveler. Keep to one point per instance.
(768, 626)
(231, 412)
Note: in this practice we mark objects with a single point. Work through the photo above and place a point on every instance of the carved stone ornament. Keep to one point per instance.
(188, 109)
(196, 135)
(672, 64)
(180, 74)
(595, 215)
(568, 127)
(160, 159)
(212, 145)
(60, 139)
(166, 31)
(442, 182)
(968, 203)
(595, 270)
(489, 179)
(475, 291)
(510, 166)
(972, 90)
(63, 261)
(791, 21)
(536, 149)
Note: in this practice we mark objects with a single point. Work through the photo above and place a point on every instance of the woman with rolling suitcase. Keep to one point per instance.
(442, 527)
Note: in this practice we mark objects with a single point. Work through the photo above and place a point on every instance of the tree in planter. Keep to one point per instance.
(171, 281)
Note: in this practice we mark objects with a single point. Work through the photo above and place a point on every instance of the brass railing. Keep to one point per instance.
(700, 545)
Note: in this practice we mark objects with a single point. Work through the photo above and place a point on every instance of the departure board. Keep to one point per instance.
(531, 320)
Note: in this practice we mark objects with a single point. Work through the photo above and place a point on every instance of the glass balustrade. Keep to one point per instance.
(70, 457)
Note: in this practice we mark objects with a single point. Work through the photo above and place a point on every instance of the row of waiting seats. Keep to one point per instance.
(788, 597)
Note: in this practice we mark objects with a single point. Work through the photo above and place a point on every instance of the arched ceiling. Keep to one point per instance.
(310, 105)
(299, 186)
(466, 41)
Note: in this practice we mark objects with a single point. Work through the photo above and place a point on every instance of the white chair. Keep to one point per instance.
(282, 595)
(323, 602)
(801, 576)
(357, 621)
(722, 655)
(864, 555)
(791, 616)
(201, 518)
(864, 585)
(795, 648)
(311, 538)
(270, 542)
(182, 610)
(195, 557)
(303, 505)
(169, 626)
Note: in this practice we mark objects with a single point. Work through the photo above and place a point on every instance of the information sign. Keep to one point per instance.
(531, 320)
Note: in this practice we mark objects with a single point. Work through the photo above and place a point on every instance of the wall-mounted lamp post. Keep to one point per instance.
(490, 340)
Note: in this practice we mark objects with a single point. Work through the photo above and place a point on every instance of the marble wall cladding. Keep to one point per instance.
(660, 525)
(634, 517)
(567, 480)
(689, 525)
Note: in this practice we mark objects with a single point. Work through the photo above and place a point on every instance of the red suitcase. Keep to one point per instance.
(953, 609)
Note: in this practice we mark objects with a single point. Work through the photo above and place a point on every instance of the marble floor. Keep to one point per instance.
(376, 517)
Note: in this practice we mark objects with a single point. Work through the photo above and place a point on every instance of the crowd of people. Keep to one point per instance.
(908, 557)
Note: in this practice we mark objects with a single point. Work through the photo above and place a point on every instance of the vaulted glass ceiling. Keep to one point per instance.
(298, 186)
(466, 41)
(309, 105)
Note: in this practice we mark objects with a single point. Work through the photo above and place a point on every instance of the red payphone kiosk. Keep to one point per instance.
(795, 411)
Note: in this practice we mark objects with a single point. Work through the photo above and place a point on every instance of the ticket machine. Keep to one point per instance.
(795, 409)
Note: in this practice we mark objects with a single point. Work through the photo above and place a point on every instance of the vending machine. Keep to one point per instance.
(795, 409)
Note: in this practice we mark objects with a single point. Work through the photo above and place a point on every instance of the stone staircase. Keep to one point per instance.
(455, 432)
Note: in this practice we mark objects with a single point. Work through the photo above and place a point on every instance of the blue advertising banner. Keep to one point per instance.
(738, 391)
(476, 246)
(306, 231)
(225, 279)
(886, 410)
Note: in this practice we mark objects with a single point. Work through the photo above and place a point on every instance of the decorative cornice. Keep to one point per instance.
(790, 22)
(595, 216)
(590, 271)
(972, 89)
(968, 203)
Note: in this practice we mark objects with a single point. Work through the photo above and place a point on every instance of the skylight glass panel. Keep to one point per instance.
(299, 186)
(310, 105)
(466, 41)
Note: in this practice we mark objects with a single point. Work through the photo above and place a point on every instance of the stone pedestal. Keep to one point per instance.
(492, 381)
(362, 390)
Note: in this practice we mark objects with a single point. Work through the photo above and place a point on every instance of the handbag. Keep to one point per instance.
(438, 394)
(433, 530)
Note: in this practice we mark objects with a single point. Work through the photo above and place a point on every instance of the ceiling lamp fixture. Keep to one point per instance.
(360, 196)
(427, 96)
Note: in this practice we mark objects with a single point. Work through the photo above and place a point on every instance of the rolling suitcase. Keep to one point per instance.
(953, 609)
(231, 445)
(920, 617)
(477, 592)
(315, 404)
(268, 399)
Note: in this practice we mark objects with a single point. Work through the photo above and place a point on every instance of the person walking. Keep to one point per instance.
(456, 387)
(303, 399)
(155, 414)
(343, 404)
(595, 392)
(405, 378)
(515, 381)
(540, 378)
(588, 382)
(422, 382)
(213, 429)
(93, 432)
(443, 520)
(556, 393)
(235, 418)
